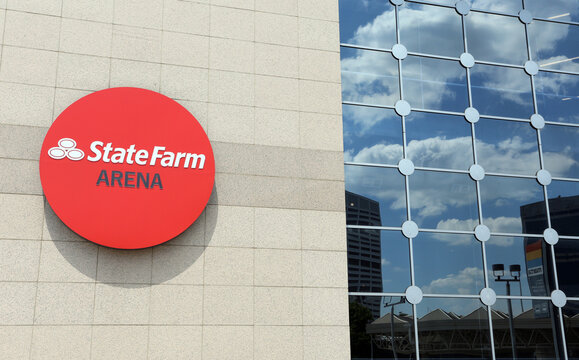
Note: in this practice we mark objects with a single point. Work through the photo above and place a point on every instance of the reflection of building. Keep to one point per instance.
(364, 251)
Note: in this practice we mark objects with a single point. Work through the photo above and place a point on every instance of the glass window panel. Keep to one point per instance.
(438, 140)
(558, 97)
(443, 200)
(562, 10)
(501, 91)
(369, 77)
(533, 325)
(554, 46)
(431, 29)
(507, 147)
(503, 6)
(560, 153)
(512, 205)
(487, 41)
(372, 135)
(564, 207)
(453, 328)
(434, 84)
(567, 257)
(378, 192)
(571, 321)
(371, 24)
(448, 264)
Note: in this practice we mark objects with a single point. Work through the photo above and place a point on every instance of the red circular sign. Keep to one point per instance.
(127, 168)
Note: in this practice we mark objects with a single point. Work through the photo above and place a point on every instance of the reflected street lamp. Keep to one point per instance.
(499, 273)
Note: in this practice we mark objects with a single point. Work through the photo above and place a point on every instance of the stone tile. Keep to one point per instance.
(231, 88)
(95, 10)
(17, 303)
(28, 66)
(86, 37)
(15, 342)
(278, 306)
(185, 49)
(61, 342)
(319, 65)
(47, 7)
(320, 97)
(135, 74)
(83, 72)
(322, 165)
(31, 30)
(64, 261)
(21, 216)
(276, 29)
(278, 267)
(337, 338)
(242, 4)
(323, 230)
(178, 265)
(231, 123)
(64, 303)
(141, 13)
(239, 344)
(323, 195)
(55, 229)
(319, 34)
(63, 98)
(20, 177)
(321, 9)
(124, 266)
(276, 60)
(325, 306)
(21, 142)
(176, 304)
(119, 342)
(19, 260)
(278, 342)
(2, 21)
(199, 109)
(277, 127)
(175, 342)
(126, 304)
(185, 83)
(325, 268)
(277, 228)
(285, 7)
(186, 17)
(134, 43)
(228, 305)
(26, 104)
(276, 92)
(233, 226)
(321, 131)
(232, 55)
(232, 23)
(228, 266)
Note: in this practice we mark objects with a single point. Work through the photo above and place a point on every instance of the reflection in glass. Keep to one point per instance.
(369, 77)
(448, 264)
(372, 25)
(440, 141)
(382, 186)
(507, 147)
(501, 91)
(526, 253)
(560, 153)
(487, 41)
(434, 84)
(554, 46)
(558, 97)
(431, 29)
(571, 321)
(564, 207)
(453, 328)
(503, 6)
(561, 10)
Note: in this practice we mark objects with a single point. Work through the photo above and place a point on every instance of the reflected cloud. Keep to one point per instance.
(498, 224)
(462, 282)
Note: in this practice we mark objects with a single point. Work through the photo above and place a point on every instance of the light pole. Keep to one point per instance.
(498, 273)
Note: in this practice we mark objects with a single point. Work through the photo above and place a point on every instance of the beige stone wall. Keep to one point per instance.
(262, 274)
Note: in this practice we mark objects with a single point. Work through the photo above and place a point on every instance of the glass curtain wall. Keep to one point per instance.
(461, 148)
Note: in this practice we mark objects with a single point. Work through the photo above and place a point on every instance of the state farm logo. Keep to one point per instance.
(66, 148)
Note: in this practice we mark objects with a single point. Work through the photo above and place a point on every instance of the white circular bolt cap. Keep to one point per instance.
(406, 167)
(462, 7)
(399, 51)
(488, 296)
(531, 67)
(466, 60)
(537, 121)
(471, 115)
(414, 295)
(551, 236)
(525, 16)
(476, 172)
(543, 177)
(409, 229)
(482, 233)
(402, 107)
(397, 2)
(558, 298)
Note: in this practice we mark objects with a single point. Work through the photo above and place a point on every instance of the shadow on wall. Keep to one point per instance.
(175, 261)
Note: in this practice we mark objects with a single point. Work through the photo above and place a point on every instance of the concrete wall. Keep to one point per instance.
(262, 274)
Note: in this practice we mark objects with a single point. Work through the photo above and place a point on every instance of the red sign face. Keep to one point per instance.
(127, 168)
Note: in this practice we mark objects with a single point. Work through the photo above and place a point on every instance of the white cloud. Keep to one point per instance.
(385, 262)
(499, 224)
(467, 281)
